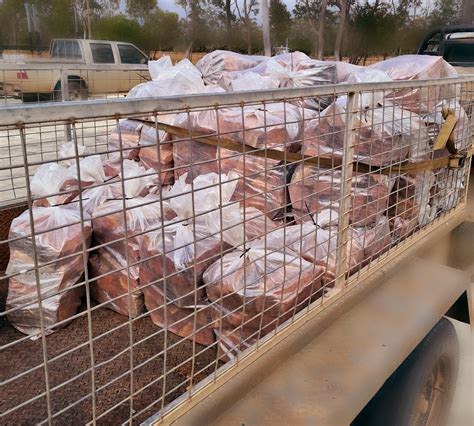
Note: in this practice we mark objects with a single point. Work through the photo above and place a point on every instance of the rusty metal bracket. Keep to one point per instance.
(445, 136)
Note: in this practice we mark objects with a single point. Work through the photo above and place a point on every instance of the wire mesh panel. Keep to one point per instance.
(53, 82)
(149, 245)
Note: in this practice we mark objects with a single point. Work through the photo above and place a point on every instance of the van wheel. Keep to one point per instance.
(421, 390)
(77, 91)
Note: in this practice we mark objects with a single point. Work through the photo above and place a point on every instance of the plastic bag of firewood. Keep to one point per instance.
(59, 245)
(383, 135)
(420, 100)
(156, 152)
(313, 190)
(258, 288)
(119, 226)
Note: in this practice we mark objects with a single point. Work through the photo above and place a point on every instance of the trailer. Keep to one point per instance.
(279, 266)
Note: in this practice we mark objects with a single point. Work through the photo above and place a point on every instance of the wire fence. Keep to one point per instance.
(55, 82)
(151, 245)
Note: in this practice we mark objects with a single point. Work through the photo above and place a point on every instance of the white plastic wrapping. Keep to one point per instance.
(367, 100)
(68, 150)
(63, 247)
(49, 181)
(410, 203)
(384, 135)
(315, 191)
(121, 231)
(126, 137)
(215, 64)
(256, 289)
(419, 67)
(206, 222)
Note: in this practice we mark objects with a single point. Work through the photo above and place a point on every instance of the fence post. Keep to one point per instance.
(346, 190)
(64, 98)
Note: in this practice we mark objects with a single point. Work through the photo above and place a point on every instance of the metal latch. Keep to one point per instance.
(457, 161)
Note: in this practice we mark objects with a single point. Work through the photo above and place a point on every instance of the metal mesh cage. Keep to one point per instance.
(151, 245)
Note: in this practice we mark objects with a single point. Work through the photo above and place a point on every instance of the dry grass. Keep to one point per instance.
(175, 56)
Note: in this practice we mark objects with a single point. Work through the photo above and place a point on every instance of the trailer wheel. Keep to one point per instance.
(421, 390)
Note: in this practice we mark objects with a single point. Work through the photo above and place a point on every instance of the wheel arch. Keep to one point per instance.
(70, 78)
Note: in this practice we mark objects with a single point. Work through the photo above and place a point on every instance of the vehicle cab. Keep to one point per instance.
(454, 43)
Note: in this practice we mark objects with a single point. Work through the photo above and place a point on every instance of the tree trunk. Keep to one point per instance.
(248, 25)
(266, 29)
(340, 29)
(228, 13)
(249, 38)
(322, 27)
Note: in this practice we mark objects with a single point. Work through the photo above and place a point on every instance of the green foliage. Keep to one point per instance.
(446, 12)
(280, 22)
(119, 28)
(372, 27)
(162, 31)
(141, 9)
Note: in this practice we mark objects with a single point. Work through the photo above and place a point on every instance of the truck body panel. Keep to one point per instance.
(104, 67)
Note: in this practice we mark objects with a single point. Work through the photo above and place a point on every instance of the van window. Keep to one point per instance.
(131, 55)
(102, 53)
(66, 49)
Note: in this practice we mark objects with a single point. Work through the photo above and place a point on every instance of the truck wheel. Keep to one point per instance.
(31, 97)
(421, 390)
(77, 91)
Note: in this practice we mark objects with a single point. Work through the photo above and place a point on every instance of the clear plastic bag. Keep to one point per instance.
(257, 289)
(383, 136)
(156, 152)
(215, 64)
(262, 181)
(179, 253)
(314, 191)
(367, 100)
(318, 244)
(122, 231)
(461, 132)
(52, 245)
(273, 125)
(156, 68)
(67, 152)
(128, 132)
(419, 67)
(53, 185)
(251, 81)
(410, 203)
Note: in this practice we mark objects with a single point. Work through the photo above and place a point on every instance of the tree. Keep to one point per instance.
(163, 31)
(119, 28)
(280, 22)
(314, 12)
(13, 22)
(267, 47)
(342, 4)
(322, 26)
(445, 12)
(141, 9)
(246, 11)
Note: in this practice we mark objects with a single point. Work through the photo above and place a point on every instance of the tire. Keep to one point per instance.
(31, 97)
(77, 91)
(421, 390)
